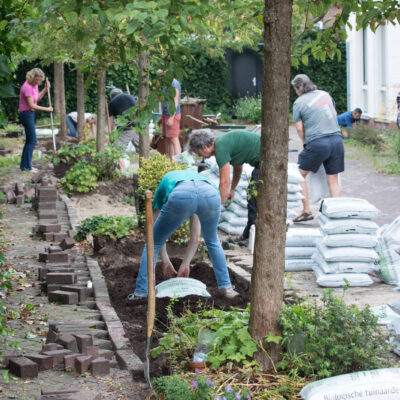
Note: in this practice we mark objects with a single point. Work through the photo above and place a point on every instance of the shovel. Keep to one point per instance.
(151, 296)
(51, 116)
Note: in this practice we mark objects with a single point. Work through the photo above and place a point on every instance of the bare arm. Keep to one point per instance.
(112, 122)
(34, 106)
(237, 173)
(300, 130)
(44, 90)
(224, 182)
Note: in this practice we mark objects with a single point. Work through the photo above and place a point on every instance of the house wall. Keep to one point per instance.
(374, 72)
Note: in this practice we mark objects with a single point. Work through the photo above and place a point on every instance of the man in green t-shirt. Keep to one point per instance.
(233, 148)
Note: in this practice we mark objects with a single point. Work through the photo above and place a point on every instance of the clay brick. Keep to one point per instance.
(45, 206)
(69, 361)
(11, 197)
(59, 236)
(67, 243)
(62, 278)
(92, 351)
(49, 392)
(60, 296)
(86, 394)
(19, 188)
(49, 228)
(52, 337)
(44, 362)
(60, 257)
(58, 355)
(100, 366)
(51, 347)
(37, 177)
(35, 229)
(47, 190)
(23, 367)
(30, 193)
(82, 364)
(47, 214)
(53, 248)
(83, 342)
(72, 233)
(68, 342)
(3, 200)
(19, 199)
(81, 290)
(6, 356)
(57, 266)
(45, 182)
(48, 236)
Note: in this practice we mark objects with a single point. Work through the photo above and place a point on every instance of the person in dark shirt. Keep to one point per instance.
(348, 118)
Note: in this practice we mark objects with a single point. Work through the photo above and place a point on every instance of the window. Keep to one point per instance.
(365, 56)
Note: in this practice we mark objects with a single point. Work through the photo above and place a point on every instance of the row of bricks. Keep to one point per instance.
(69, 394)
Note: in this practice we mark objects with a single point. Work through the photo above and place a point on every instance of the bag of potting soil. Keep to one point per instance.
(332, 226)
(294, 196)
(395, 306)
(358, 254)
(233, 219)
(299, 264)
(339, 280)
(181, 287)
(344, 266)
(317, 185)
(347, 207)
(294, 204)
(232, 230)
(378, 384)
(298, 252)
(294, 175)
(293, 188)
(237, 209)
(349, 239)
(184, 158)
(302, 237)
(385, 315)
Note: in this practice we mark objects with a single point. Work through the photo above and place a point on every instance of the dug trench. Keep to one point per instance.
(119, 261)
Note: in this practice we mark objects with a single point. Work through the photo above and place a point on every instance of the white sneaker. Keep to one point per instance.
(229, 293)
(34, 170)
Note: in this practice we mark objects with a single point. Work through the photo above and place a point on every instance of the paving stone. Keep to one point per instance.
(45, 206)
(72, 233)
(43, 256)
(3, 200)
(69, 361)
(52, 287)
(52, 337)
(92, 351)
(100, 366)
(44, 362)
(37, 177)
(11, 197)
(48, 236)
(19, 199)
(47, 191)
(63, 297)
(30, 193)
(19, 188)
(77, 324)
(108, 354)
(6, 355)
(47, 214)
(51, 347)
(44, 228)
(63, 278)
(82, 363)
(58, 265)
(58, 257)
(23, 367)
(54, 248)
(81, 290)
(50, 391)
(127, 359)
(67, 243)
(58, 237)
(117, 335)
(83, 342)
(68, 342)
(58, 355)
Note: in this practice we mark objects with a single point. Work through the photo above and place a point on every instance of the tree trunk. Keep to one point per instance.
(63, 123)
(56, 88)
(80, 103)
(144, 67)
(269, 250)
(101, 109)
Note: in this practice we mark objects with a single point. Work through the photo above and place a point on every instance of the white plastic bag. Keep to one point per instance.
(338, 280)
(378, 384)
(302, 237)
(359, 254)
(294, 175)
(332, 226)
(349, 239)
(347, 207)
(181, 287)
(317, 185)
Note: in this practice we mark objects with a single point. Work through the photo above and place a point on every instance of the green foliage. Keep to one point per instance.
(249, 108)
(112, 227)
(7, 162)
(81, 178)
(199, 387)
(89, 166)
(232, 343)
(338, 338)
(368, 135)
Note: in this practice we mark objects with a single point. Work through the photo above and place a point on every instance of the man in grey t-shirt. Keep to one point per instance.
(316, 123)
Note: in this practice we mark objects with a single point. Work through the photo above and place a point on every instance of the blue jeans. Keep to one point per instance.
(72, 127)
(186, 199)
(27, 119)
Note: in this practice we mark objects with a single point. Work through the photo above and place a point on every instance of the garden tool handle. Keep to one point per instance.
(151, 301)
(51, 115)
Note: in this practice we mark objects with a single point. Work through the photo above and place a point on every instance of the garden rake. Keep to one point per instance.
(51, 116)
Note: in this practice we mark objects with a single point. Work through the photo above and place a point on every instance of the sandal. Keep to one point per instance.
(303, 217)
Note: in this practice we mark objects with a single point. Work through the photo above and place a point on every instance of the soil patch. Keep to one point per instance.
(120, 272)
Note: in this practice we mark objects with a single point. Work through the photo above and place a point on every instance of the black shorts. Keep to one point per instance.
(327, 150)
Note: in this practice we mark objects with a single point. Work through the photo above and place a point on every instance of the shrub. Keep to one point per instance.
(249, 109)
(337, 338)
(368, 135)
(82, 178)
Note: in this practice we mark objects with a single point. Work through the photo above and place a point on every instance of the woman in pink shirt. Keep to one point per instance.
(28, 97)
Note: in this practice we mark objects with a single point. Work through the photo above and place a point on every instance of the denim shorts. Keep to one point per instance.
(327, 150)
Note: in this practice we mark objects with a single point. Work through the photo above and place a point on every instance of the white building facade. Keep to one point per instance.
(373, 71)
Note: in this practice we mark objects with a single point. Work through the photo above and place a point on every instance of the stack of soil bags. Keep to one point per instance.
(294, 195)
(233, 216)
(300, 246)
(346, 251)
